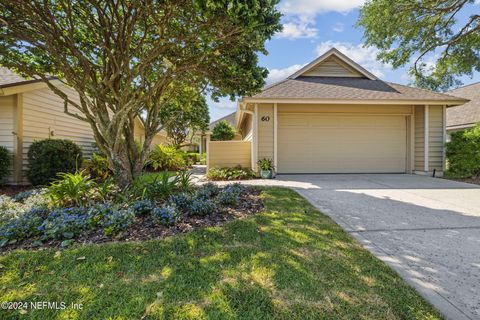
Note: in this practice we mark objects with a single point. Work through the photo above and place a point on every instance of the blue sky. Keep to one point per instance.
(311, 27)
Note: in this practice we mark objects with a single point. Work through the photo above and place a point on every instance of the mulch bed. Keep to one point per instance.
(144, 229)
(13, 190)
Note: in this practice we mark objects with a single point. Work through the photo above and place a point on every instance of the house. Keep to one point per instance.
(30, 111)
(230, 118)
(467, 115)
(333, 116)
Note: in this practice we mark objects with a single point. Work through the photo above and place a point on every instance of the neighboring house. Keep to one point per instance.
(30, 111)
(467, 115)
(230, 118)
(333, 116)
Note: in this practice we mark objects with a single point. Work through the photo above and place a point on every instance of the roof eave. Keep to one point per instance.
(355, 101)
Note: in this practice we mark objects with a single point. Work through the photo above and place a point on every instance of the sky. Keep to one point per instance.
(310, 28)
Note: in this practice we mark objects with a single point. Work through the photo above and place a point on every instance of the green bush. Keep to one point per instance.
(5, 163)
(166, 158)
(190, 157)
(237, 173)
(223, 131)
(71, 189)
(47, 158)
(97, 167)
(463, 153)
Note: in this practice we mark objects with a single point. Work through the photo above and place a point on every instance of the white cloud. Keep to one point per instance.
(338, 27)
(314, 7)
(366, 57)
(298, 28)
(276, 75)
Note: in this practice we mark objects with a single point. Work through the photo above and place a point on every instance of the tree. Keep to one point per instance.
(223, 131)
(185, 115)
(408, 31)
(126, 58)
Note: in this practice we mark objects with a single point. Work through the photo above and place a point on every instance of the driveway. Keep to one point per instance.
(427, 229)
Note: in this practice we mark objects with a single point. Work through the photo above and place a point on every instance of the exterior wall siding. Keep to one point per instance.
(44, 117)
(332, 67)
(435, 139)
(229, 154)
(419, 159)
(7, 125)
(265, 125)
(247, 129)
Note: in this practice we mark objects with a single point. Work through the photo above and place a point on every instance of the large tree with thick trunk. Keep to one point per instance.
(126, 58)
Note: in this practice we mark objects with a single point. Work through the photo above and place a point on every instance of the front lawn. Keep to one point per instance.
(289, 262)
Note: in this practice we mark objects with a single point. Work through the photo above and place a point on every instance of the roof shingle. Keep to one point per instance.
(466, 114)
(348, 89)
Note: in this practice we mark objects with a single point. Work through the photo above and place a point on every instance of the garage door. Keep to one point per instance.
(318, 143)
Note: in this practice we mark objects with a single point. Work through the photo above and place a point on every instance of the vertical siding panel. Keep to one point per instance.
(7, 126)
(265, 131)
(419, 164)
(435, 138)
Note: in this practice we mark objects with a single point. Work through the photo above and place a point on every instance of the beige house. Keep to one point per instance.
(333, 116)
(468, 115)
(30, 111)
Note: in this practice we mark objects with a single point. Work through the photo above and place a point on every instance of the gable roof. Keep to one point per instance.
(230, 118)
(353, 85)
(338, 58)
(468, 114)
(331, 88)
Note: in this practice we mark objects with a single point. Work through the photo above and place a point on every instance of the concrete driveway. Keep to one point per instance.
(427, 229)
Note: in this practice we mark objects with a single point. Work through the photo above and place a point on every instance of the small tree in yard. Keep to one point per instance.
(223, 131)
(444, 31)
(128, 58)
(184, 116)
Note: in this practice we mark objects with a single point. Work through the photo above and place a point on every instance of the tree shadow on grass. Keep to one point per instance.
(290, 262)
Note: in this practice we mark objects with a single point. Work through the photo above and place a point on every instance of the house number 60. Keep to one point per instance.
(265, 118)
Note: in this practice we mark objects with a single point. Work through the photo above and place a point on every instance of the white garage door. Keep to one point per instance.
(318, 143)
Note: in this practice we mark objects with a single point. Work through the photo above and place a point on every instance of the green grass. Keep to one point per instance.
(289, 262)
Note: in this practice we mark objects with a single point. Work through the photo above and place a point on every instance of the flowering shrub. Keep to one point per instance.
(201, 207)
(180, 201)
(230, 195)
(116, 221)
(208, 190)
(166, 216)
(142, 207)
(65, 223)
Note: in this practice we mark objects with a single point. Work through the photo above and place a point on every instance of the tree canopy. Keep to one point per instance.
(123, 58)
(223, 131)
(184, 116)
(440, 39)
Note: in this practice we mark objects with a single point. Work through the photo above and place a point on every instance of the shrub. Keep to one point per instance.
(228, 174)
(190, 157)
(166, 216)
(65, 223)
(208, 190)
(230, 195)
(185, 181)
(203, 159)
(463, 153)
(47, 158)
(180, 201)
(116, 221)
(142, 207)
(223, 131)
(166, 158)
(71, 189)
(5, 163)
(24, 226)
(202, 207)
(161, 187)
(97, 167)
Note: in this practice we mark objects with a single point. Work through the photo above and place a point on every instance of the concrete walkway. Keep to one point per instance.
(427, 229)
